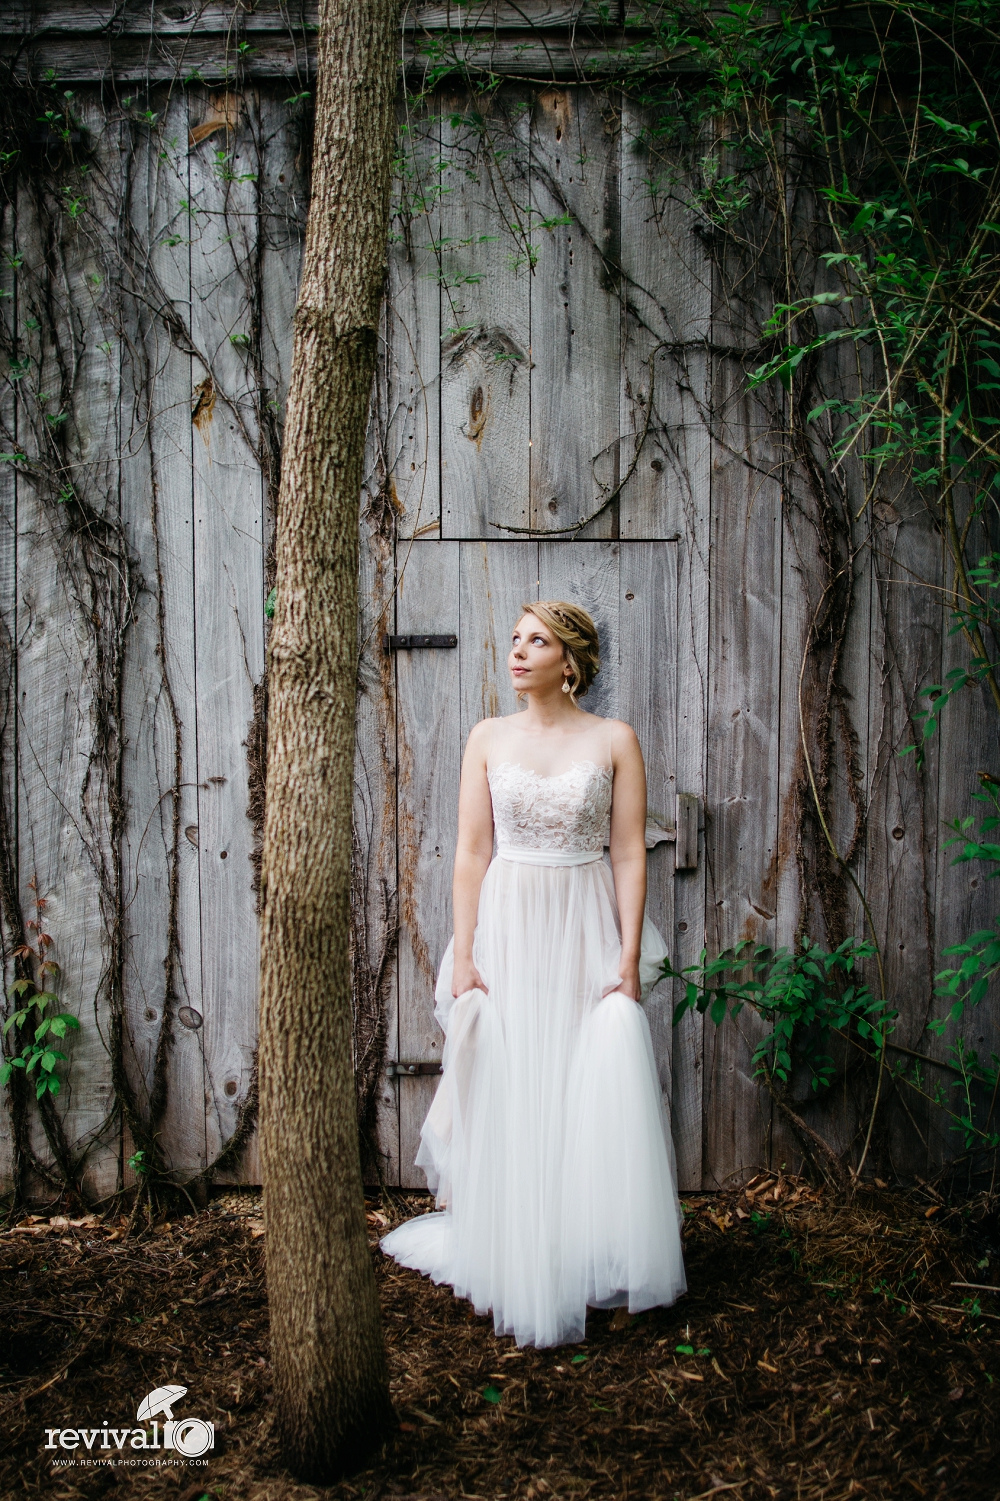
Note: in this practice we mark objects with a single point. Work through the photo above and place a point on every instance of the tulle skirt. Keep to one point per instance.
(547, 1137)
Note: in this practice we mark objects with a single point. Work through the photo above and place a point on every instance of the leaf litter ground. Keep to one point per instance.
(826, 1348)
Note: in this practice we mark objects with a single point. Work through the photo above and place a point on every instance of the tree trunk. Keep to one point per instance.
(331, 1387)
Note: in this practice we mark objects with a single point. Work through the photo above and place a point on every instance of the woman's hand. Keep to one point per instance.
(630, 985)
(466, 977)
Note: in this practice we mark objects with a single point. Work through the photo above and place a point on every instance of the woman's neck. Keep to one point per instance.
(554, 712)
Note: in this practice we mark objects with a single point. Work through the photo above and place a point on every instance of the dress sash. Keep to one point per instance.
(523, 855)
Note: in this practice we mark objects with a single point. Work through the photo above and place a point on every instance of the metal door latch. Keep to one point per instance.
(413, 643)
(394, 1067)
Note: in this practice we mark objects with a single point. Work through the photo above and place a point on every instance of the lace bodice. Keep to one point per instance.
(570, 811)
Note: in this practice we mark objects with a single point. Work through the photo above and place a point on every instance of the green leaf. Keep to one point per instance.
(63, 1023)
(492, 1394)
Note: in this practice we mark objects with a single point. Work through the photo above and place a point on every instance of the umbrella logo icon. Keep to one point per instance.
(158, 1403)
(191, 1436)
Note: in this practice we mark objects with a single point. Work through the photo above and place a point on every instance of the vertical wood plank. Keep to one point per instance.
(816, 587)
(965, 898)
(8, 660)
(410, 430)
(575, 311)
(691, 886)
(742, 759)
(485, 316)
(666, 435)
(159, 686)
(229, 646)
(284, 191)
(497, 578)
(65, 776)
(667, 297)
(903, 825)
(429, 750)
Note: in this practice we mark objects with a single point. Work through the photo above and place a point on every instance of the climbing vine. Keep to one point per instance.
(85, 313)
(841, 172)
(842, 168)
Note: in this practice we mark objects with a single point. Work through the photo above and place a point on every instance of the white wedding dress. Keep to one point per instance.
(547, 1138)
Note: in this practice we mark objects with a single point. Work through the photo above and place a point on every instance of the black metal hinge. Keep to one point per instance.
(413, 643)
(394, 1067)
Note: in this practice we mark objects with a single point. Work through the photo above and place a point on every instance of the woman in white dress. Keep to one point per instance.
(546, 1145)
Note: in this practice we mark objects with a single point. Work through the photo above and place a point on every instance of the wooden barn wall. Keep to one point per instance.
(551, 339)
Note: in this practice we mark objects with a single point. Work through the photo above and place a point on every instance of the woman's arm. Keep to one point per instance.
(628, 849)
(472, 856)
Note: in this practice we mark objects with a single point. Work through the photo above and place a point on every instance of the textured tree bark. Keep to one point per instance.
(331, 1385)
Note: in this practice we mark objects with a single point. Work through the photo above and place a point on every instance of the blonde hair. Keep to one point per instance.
(571, 625)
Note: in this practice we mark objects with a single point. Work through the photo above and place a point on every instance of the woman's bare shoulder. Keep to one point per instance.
(480, 734)
(623, 737)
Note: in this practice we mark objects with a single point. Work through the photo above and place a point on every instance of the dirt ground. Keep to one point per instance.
(824, 1349)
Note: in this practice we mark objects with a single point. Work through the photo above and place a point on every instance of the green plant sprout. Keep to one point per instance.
(37, 1052)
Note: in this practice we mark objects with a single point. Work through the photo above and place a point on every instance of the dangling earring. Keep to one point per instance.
(566, 687)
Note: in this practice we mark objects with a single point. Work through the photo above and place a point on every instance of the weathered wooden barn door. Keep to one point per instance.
(474, 590)
(542, 435)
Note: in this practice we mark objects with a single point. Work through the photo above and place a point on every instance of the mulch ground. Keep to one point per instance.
(824, 1349)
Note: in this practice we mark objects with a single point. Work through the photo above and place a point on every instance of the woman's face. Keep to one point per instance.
(537, 662)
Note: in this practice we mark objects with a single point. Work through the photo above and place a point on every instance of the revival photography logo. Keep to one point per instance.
(187, 1438)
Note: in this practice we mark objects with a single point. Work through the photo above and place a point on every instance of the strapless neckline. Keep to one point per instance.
(555, 775)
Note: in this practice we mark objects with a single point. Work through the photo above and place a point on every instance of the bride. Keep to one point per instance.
(546, 1145)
